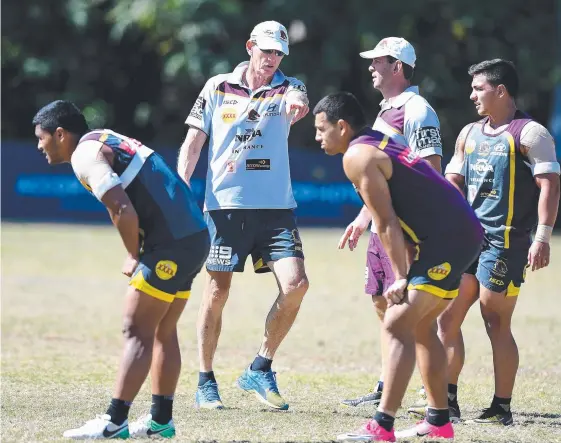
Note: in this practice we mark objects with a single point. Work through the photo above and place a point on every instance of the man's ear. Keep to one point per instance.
(59, 133)
(501, 90)
(248, 46)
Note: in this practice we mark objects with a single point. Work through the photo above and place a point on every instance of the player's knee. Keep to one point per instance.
(448, 327)
(397, 326)
(165, 334)
(495, 325)
(132, 329)
(302, 285)
(296, 288)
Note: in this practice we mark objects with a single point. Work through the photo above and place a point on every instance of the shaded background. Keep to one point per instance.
(136, 66)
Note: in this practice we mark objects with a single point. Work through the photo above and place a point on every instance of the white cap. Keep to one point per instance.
(270, 35)
(396, 47)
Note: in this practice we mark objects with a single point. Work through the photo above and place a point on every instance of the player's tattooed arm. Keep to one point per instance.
(454, 170)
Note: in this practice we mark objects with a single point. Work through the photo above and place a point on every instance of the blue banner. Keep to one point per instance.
(32, 190)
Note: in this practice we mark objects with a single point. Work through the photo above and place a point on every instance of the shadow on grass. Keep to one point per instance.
(542, 418)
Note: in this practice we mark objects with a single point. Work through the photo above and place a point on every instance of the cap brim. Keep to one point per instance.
(373, 53)
(269, 43)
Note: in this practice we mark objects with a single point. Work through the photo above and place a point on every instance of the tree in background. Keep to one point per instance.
(138, 65)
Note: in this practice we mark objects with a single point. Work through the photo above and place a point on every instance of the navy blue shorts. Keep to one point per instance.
(441, 261)
(500, 269)
(167, 271)
(265, 234)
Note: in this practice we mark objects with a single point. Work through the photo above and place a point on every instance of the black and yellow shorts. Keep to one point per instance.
(441, 263)
(167, 272)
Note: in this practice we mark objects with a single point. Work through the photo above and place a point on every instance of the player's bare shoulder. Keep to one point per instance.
(361, 157)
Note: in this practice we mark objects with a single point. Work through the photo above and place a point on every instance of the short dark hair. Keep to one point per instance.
(498, 72)
(342, 106)
(408, 70)
(63, 114)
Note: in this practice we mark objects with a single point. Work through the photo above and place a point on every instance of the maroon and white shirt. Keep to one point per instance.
(411, 121)
(248, 140)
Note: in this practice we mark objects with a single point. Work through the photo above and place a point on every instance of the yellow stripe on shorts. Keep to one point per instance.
(139, 283)
(183, 295)
(434, 290)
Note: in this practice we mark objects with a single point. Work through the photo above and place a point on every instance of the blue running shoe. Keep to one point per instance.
(207, 396)
(264, 385)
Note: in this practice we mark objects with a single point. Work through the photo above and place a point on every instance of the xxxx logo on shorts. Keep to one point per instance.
(166, 269)
(439, 272)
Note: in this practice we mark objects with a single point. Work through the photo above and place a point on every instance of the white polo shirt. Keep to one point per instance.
(248, 141)
(410, 120)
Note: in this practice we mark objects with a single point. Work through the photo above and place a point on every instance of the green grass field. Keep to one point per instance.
(62, 295)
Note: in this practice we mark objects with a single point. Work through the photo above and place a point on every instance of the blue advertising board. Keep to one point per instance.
(34, 191)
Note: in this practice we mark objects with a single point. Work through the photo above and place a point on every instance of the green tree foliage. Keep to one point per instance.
(138, 65)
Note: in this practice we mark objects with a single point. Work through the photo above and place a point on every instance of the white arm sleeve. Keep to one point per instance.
(421, 128)
(200, 116)
(297, 89)
(455, 167)
(541, 149)
(92, 169)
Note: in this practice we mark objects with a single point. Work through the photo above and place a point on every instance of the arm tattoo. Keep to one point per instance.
(460, 142)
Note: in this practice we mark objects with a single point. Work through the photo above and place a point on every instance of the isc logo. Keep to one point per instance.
(497, 281)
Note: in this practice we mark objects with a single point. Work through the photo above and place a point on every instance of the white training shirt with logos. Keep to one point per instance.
(410, 120)
(248, 141)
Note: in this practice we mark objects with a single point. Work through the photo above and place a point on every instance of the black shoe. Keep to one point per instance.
(372, 399)
(494, 415)
(454, 410)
